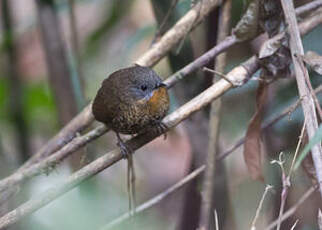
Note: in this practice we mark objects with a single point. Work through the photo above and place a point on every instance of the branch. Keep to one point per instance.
(206, 210)
(260, 206)
(302, 78)
(238, 74)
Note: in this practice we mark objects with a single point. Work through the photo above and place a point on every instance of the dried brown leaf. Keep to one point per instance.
(252, 146)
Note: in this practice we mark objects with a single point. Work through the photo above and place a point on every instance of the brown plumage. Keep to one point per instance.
(131, 101)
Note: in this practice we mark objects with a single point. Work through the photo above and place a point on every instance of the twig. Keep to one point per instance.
(294, 225)
(156, 199)
(286, 179)
(286, 184)
(206, 209)
(297, 149)
(293, 209)
(216, 220)
(239, 74)
(304, 91)
(260, 205)
(218, 73)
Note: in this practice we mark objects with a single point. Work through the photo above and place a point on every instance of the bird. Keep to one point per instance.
(132, 101)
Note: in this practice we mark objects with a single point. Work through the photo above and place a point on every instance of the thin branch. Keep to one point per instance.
(207, 57)
(297, 150)
(294, 225)
(239, 74)
(301, 74)
(157, 199)
(206, 209)
(293, 209)
(260, 205)
(286, 184)
(286, 179)
(216, 72)
(216, 220)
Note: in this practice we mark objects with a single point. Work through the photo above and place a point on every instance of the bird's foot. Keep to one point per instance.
(125, 150)
(161, 128)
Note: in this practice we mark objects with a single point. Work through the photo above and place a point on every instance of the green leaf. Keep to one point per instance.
(315, 140)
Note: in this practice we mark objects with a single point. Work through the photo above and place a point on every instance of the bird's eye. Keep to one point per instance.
(144, 87)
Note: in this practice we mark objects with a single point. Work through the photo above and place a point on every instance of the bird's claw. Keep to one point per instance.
(162, 128)
(125, 150)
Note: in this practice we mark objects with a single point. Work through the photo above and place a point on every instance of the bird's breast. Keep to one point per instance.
(158, 103)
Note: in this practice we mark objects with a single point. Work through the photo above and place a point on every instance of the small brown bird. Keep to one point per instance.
(131, 101)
